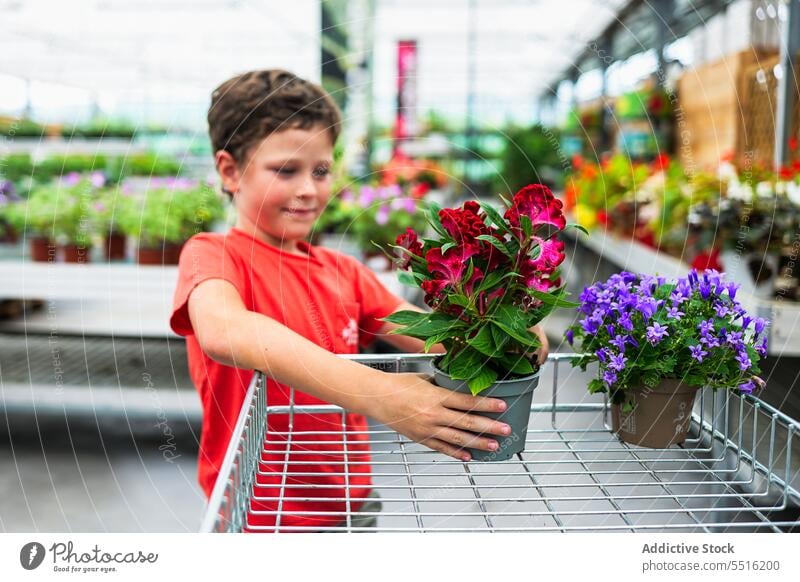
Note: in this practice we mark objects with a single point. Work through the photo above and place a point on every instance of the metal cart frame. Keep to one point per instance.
(738, 471)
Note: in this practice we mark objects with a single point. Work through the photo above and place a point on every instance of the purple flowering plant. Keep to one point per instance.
(642, 329)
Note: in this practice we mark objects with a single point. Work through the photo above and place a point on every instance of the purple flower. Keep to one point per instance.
(747, 387)
(721, 309)
(761, 346)
(674, 313)
(97, 179)
(705, 289)
(746, 321)
(760, 325)
(610, 330)
(618, 362)
(734, 338)
(367, 196)
(382, 217)
(698, 353)
(602, 355)
(744, 360)
(656, 333)
(693, 278)
(706, 327)
(625, 322)
(609, 377)
(570, 335)
(732, 288)
(619, 342)
(648, 308)
(591, 324)
(709, 341)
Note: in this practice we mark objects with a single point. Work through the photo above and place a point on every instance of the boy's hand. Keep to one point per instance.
(437, 417)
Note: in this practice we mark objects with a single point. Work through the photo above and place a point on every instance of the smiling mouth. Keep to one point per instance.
(300, 211)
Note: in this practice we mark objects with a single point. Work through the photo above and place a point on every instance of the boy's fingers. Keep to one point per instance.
(448, 449)
(478, 424)
(466, 402)
(463, 439)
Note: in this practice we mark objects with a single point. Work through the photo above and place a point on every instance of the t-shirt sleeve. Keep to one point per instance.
(376, 302)
(203, 257)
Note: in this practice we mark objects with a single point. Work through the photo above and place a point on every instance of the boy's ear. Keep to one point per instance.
(228, 171)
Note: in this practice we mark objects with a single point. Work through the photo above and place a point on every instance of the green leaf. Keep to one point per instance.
(447, 246)
(554, 299)
(433, 340)
(518, 364)
(596, 385)
(495, 217)
(500, 338)
(483, 341)
(496, 244)
(527, 225)
(406, 317)
(486, 377)
(466, 364)
(459, 300)
(432, 214)
(408, 278)
(578, 227)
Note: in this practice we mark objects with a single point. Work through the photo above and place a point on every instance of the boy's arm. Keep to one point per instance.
(413, 345)
(436, 417)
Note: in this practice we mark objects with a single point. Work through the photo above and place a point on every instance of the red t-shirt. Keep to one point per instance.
(328, 298)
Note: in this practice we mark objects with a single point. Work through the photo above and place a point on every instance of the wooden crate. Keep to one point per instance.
(710, 117)
(756, 142)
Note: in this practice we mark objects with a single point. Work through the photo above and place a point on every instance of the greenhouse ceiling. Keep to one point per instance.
(120, 51)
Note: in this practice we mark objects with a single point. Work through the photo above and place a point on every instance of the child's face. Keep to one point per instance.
(284, 185)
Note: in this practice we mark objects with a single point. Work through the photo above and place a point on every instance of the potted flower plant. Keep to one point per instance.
(383, 212)
(166, 216)
(74, 218)
(658, 342)
(489, 278)
(33, 219)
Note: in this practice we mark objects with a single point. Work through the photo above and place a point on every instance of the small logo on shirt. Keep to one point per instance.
(350, 333)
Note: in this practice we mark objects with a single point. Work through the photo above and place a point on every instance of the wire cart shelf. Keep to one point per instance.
(738, 471)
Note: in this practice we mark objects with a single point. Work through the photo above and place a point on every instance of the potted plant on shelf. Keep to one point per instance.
(75, 217)
(33, 220)
(163, 218)
(383, 212)
(489, 278)
(658, 342)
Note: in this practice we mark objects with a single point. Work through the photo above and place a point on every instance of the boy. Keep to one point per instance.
(260, 297)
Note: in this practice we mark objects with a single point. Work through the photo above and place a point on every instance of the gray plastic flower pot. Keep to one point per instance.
(517, 394)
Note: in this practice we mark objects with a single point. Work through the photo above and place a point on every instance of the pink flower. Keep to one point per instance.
(408, 240)
(539, 204)
(451, 265)
(551, 254)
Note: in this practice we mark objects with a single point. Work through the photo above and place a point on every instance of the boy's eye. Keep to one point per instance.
(321, 172)
(284, 171)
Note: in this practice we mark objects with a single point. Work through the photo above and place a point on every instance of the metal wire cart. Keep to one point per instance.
(739, 471)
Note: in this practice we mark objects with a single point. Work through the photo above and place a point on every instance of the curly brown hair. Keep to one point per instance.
(247, 108)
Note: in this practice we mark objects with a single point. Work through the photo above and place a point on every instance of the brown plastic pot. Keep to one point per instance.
(660, 418)
(115, 245)
(165, 254)
(42, 249)
(76, 253)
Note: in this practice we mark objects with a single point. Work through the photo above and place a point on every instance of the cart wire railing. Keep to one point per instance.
(738, 471)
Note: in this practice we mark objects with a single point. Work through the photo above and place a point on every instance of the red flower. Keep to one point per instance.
(661, 163)
(551, 255)
(451, 265)
(463, 224)
(434, 290)
(793, 144)
(408, 240)
(419, 190)
(537, 203)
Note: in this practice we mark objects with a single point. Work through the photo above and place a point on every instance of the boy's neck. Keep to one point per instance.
(287, 246)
